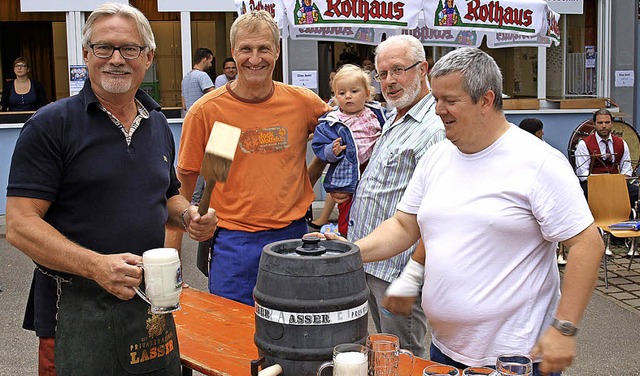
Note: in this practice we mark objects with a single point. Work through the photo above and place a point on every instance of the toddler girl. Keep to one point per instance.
(346, 135)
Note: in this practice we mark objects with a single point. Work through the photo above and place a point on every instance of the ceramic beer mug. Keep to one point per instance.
(384, 355)
(349, 359)
(162, 279)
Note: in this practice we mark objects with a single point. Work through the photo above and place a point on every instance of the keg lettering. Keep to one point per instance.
(309, 319)
(263, 312)
(315, 318)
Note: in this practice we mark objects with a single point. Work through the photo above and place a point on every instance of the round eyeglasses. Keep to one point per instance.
(395, 72)
(128, 51)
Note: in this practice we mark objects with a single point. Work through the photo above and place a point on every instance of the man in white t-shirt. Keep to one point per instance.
(490, 203)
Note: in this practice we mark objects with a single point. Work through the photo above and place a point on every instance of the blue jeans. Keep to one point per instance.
(235, 258)
(437, 356)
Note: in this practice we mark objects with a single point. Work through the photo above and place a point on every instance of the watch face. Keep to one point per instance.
(565, 327)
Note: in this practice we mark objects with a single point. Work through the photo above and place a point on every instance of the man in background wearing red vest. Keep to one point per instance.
(603, 153)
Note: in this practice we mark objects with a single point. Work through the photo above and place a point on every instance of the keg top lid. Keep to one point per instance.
(311, 247)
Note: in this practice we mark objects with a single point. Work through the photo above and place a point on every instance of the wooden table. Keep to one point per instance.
(216, 335)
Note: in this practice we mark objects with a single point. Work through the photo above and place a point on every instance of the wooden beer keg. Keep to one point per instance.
(310, 295)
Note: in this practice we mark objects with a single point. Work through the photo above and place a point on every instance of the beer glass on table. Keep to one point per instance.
(477, 371)
(440, 370)
(384, 355)
(349, 359)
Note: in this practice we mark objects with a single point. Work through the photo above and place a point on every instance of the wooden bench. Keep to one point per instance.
(216, 336)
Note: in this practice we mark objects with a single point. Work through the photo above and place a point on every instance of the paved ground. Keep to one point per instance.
(608, 342)
(624, 283)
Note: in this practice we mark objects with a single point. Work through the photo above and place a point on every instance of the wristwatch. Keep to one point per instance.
(566, 328)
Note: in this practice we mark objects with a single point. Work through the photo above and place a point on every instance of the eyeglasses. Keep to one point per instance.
(229, 68)
(128, 51)
(395, 72)
(19, 65)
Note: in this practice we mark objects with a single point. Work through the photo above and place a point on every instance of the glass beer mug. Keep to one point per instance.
(384, 355)
(349, 359)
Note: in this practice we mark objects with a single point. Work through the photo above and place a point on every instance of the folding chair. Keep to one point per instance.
(609, 203)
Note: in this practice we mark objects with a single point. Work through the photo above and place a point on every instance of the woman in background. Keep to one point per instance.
(23, 93)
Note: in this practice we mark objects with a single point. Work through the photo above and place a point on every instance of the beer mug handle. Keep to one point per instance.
(411, 356)
(140, 292)
(323, 366)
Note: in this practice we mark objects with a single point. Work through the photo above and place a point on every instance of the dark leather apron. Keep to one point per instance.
(99, 334)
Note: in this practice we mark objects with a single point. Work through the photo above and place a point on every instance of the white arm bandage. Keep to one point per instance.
(410, 281)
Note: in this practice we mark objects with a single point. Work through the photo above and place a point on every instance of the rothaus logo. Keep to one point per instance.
(365, 9)
(494, 13)
(258, 5)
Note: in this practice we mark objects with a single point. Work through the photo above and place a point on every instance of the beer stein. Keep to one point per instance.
(384, 355)
(162, 279)
(349, 359)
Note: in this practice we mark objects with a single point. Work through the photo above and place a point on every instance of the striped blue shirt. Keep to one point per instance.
(402, 143)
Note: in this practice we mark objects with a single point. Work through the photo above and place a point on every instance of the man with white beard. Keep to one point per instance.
(411, 129)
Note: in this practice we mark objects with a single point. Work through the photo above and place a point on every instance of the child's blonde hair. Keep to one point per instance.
(350, 70)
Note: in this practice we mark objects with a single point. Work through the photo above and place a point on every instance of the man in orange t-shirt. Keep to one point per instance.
(268, 190)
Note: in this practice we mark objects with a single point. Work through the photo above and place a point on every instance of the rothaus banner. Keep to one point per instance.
(363, 22)
(362, 35)
(63, 5)
(352, 13)
(520, 17)
(529, 17)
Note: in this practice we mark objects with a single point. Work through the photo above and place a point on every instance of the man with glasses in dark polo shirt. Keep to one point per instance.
(91, 187)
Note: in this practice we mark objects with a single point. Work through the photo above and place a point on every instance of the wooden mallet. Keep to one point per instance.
(218, 156)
